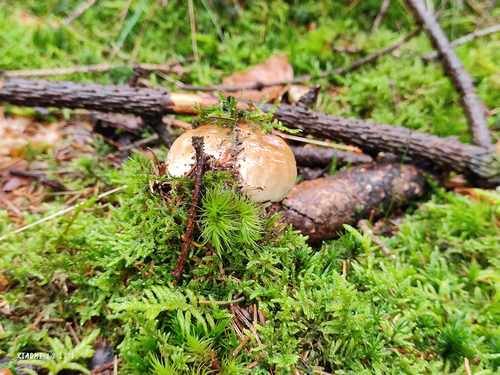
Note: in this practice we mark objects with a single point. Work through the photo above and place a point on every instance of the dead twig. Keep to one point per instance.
(384, 6)
(107, 367)
(474, 109)
(316, 142)
(220, 303)
(82, 8)
(192, 23)
(312, 156)
(365, 228)
(40, 177)
(479, 164)
(58, 213)
(199, 170)
(139, 143)
(370, 59)
(72, 332)
(96, 68)
(467, 368)
(466, 39)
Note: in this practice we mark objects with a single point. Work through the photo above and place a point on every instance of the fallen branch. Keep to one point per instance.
(474, 109)
(319, 208)
(479, 164)
(364, 226)
(466, 39)
(82, 8)
(97, 68)
(384, 6)
(312, 156)
(40, 177)
(187, 238)
(378, 54)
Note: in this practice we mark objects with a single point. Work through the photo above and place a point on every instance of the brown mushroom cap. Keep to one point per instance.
(181, 156)
(264, 163)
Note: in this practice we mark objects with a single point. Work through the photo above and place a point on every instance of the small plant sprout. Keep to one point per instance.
(263, 163)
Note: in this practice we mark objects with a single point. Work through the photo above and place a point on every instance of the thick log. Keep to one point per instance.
(473, 107)
(319, 208)
(446, 153)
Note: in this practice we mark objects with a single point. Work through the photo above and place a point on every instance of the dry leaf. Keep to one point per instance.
(4, 282)
(276, 68)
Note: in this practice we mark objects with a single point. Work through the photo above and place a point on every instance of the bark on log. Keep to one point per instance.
(319, 208)
(474, 109)
(449, 154)
(480, 165)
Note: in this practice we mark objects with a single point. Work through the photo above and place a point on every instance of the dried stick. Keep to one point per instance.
(365, 228)
(474, 109)
(192, 23)
(384, 6)
(478, 163)
(221, 303)
(82, 8)
(466, 39)
(378, 54)
(59, 213)
(199, 170)
(97, 68)
(312, 156)
(40, 177)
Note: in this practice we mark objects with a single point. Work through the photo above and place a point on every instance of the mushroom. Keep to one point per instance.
(264, 164)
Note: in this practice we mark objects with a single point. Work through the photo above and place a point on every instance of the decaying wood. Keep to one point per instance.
(199, 170)
(319, 208)
(479, 164)
(474, 109)
(313, 156)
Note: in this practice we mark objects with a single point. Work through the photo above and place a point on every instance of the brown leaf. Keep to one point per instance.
(4, 282)
(276, 68)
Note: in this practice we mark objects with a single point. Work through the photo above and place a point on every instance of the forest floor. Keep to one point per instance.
(93, 287)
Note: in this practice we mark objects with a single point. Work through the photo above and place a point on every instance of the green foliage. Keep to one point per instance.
(229, 220)
(227, 114)
(341, 308)
(64, 356)
(426, 310)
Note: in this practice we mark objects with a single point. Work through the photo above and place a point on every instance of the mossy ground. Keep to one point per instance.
(342, 307)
